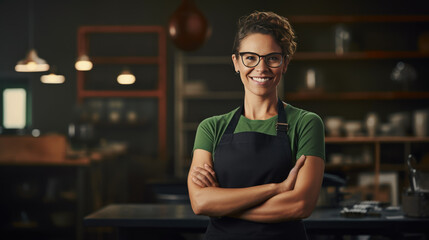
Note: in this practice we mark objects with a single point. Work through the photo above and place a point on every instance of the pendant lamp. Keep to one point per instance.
(32, 62)
(126, 77)
(83, 63)
(52, 77)
(187, 27)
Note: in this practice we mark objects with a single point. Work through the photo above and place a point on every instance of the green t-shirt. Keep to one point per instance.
(306, 131)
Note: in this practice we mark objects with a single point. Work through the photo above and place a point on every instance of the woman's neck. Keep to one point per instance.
(259, 108)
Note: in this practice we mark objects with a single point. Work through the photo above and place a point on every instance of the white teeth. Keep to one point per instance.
(261, 80)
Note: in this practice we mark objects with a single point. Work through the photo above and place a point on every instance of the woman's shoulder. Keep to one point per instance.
(299, 115)
(217, 121)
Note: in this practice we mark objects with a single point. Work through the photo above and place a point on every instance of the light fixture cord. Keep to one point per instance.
(30, 25)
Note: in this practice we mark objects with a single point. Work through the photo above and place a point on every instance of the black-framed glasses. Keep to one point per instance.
(251, 59)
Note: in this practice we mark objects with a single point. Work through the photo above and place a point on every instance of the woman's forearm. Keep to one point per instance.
(294, 204)
(208, 199)
(215, 201)
(282, 207)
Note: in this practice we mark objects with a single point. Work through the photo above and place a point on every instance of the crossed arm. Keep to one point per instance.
(294, 198)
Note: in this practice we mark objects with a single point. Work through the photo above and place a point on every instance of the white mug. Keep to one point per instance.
(421, 118)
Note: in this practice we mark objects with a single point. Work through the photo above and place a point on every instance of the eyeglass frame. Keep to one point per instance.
(262, 56)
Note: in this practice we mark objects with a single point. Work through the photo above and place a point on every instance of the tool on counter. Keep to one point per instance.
(363, 209)
(415, 200)
(412, 173)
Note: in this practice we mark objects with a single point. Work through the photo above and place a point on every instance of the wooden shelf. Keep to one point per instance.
(126, 60)
(358, 19)
(124, 124)
(348, 166)
(83, 44)
(309, 95)
(359, 55)
(215, 95)
(387, 139)
(401, 167)
(114, 93)
(64, 162)
(392, 167)
(208, 60)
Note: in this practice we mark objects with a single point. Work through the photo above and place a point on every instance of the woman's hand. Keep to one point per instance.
(204, 176)
(289, 183)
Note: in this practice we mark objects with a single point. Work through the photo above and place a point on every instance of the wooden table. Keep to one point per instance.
(127, 218)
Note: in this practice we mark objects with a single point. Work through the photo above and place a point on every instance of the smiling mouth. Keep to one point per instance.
(261, 79)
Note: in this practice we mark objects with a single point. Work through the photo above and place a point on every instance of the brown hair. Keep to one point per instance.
(266, 23)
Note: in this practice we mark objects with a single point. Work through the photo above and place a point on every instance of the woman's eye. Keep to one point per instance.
(273, 58)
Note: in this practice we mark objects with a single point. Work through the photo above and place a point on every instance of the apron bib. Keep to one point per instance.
(248, 159)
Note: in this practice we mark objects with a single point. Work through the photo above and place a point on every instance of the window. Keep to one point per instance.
(15, 105)
(14, 108)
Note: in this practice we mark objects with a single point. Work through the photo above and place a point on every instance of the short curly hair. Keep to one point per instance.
(266, 23)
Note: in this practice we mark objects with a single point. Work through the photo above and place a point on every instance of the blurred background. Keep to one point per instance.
(76, 138)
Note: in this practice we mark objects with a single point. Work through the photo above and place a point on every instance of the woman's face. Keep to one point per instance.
(260, 80)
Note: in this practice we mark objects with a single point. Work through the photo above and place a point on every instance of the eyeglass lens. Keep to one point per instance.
(253, 59)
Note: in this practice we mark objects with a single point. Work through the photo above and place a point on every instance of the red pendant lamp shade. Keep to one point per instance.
(188, 28)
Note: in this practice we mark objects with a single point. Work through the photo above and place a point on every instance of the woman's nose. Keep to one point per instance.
(262, 66)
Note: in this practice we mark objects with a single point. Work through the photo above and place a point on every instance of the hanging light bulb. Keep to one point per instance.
(126, 77)
(32, 62)
(52, 78)
(83, 63)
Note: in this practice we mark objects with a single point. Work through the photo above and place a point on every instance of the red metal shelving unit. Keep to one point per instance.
(83, 38)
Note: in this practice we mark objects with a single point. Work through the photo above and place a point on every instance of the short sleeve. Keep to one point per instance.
(205, 136)
(311, 136)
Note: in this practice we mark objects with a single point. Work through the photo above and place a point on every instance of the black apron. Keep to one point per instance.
(248, 159)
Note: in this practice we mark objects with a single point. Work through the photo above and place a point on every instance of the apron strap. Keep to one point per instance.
(233, 123)
(281, 125)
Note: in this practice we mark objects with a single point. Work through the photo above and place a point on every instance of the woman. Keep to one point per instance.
(257, 171)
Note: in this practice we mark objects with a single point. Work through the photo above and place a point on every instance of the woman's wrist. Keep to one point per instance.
(277, 188)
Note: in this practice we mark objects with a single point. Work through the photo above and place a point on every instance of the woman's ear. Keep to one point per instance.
(235, 62)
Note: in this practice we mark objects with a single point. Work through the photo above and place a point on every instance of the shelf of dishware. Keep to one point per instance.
(370, 167)
(358, 167)
(357, 18)
(207, 60)
(212, 95)
(364, 55)
(310, 95)
(376, 139)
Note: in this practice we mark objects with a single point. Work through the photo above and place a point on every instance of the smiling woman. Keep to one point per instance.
(260, 77)
(257, 170)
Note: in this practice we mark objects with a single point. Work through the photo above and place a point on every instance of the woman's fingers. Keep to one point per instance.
(212, 173)
(289, 183)
(299, 163)
(204, 177)
(198, 182)
(209, 169)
